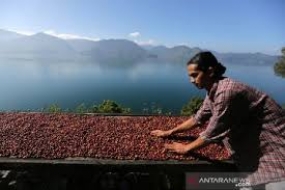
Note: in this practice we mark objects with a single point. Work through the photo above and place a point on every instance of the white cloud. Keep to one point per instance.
(182, 44)
(135, 34)
(68, 36)
(56, 34)
(140, 41)
(74, 36)
(23, 32)
(145, 42)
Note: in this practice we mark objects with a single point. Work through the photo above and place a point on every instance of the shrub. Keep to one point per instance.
(54, 108)
(93, 109)
(110, 106)
(192, 106)
(279, 67)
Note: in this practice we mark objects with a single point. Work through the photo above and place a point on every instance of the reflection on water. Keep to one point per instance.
(33, 85)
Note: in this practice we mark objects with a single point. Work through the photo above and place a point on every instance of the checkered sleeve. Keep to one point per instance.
(204, 113)
(218, 126)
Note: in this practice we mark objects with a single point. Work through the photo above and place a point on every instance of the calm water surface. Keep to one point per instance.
(34, 85)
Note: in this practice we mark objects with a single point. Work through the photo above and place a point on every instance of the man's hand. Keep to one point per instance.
(160, 133)
(179, 148)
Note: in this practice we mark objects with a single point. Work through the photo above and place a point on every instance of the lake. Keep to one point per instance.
(32, 85)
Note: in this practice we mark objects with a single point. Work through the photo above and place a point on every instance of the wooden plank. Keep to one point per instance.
(105, 164)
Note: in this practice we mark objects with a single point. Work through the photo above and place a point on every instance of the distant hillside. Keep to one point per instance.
(38, 46)
(246, 58)
(81, 45)
(182, 54)
(7, 35)
(122, 52)
(177, 54)
(117, 52)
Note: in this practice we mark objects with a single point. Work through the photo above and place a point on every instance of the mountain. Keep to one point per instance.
(38, 46)
(82, 45)
(246, 58)
(7, 35)
(182, 54)
(116, 52)
(177, 54)
(43, 43)
(119, 52)
(147, 47)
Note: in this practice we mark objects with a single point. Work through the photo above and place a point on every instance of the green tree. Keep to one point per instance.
(110, 106)
(54, 108)
(192, 106)
(279, 67)
(93, 109)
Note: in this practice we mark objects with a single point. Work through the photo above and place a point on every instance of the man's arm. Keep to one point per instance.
(187, 125)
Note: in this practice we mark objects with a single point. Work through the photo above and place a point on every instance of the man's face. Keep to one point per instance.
(199, 78)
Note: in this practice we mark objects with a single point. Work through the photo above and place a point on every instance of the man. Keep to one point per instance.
(250, 123)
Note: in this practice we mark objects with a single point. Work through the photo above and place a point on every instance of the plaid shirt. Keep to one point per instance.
(251, 124)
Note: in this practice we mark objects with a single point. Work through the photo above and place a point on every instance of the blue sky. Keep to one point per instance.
(220, 25)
